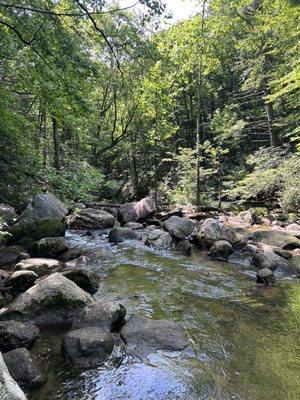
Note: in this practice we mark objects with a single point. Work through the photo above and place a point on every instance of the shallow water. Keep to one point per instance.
(246, 338)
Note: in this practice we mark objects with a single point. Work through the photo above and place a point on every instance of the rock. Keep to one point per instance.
(87, 347)
(119, 235)
(77, 262)
(251, 217)
(79, 205)
(45, 206)
(281, 239)
(48, 228)
(15, 334)
(144, 336)
(265, 257)
(8, 214)
(138, 210)
(134, 226)
(90, 218)
(160, 240)
(51, 247)
(9, 390)
(23, 367)
(179, 227)
(73, 253)
(184, 246)
(212, 231)
(265, 276)
(41, 266)
(283, 253)
(54, 300)
(22, 228)
(20, 281)
(10, 255)
(221, 249)
(293, 228)
(84, 278)
(103, 314)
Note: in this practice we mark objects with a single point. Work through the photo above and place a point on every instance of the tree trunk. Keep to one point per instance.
(133, 163)
(55, 144)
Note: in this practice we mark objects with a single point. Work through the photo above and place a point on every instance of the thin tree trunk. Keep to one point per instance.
(133, 162)
(44, 134)
(55, 144)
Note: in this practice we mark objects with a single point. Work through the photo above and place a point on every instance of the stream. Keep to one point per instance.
(245, 338)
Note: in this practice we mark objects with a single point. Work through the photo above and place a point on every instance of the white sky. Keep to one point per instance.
(181, 9)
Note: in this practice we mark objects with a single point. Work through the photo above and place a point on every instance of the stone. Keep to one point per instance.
(11, 255)
(251, 217)
(22, 228)
(48, 228)
(134, 226)
(9, 389)
(119, 235)
(265, 257)
(283, 253)
(107, 315)
(90, 218)
(281, 239)
(77, 262)
(144, 336)
(51, 247)
(184, 247)
(212, 231)
(84, 278)
(138, 210)
(179, 227)
(41, 266)
(23, 367)
(73, 253)
(54, 300)
(221, 249)
(87, 347)
(20, 281)
(160, 240)
(265, 276)
(45, 206)
(15, 334)
(8, 214)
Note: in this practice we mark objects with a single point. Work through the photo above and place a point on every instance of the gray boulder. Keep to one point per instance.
(184, 247)
(41, 266)
(22, 228)
(144, 336)
(45, 206)
(51, 247)
(87, 347)
(119, 235)
(90, 218)
(179, 227)
(160, 240)
(212, 231)
(23, 367)
(250, 217)
(103, 314)
(54, 300)
(9, 389)
(137, 210)
(8, 214)
(84, 278)
(15, 334)
(77, 262)
(221, 249)
(11, 255)
(20, 281)
(134, 226)
(265, 257)
(265, 276)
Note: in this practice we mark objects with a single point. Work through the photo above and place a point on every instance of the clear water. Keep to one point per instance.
(246, 338)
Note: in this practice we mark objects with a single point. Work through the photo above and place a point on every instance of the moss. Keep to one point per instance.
(49, 228)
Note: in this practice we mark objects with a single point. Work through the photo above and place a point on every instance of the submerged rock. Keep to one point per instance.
(119, 235)
(144, 336)
(90, 218)
(54, 300)
(45, 206)
(23, 367)
(103, 314)
(87, 347)
(15, 334)
(179, 227)
(221, 249)
(137, 210)
(9, 390)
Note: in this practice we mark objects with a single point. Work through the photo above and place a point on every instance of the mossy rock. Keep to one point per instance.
(49, 228)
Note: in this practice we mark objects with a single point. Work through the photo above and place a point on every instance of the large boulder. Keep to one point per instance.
(179, 227)
(103, 314)
(45, 206)
(250, 217)
(119, 235)
(221, 249)
(280, 239)
(263, 256)
(160, 240)
(144, 336)
(41, 266)
(84, 278)
(212, 231)
(137, 210)
(22, 228)
(54, 300)
(20, 281)
(8, 214)
(9, 389)
(87, 347)
(90, 218)
(23, 367)
(29, 228)
(11, 255)
(15, 334)
(184, 247)
(51, 247)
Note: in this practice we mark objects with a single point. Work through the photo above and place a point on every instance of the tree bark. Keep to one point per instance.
(55, 144)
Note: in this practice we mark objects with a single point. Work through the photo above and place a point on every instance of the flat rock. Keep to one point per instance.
(15, 334)
(41, 266)
(134, 226)
(90, 218)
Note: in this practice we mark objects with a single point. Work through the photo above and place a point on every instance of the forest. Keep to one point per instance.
(149, 199)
